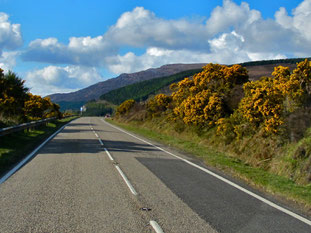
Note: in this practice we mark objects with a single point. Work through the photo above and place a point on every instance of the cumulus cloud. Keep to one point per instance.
(233, 33)
(141, 28)
(155, 57)
(298, 26)
(84, 50)
(10, 34)
(55, 79)
(8, 60)
(138, 28)
(10, 39)
(223, 18)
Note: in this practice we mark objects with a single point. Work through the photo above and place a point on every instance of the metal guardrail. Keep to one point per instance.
(16, 128)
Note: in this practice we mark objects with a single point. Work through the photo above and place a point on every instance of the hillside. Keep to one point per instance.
(141, 90)
(96, 90)
(98, 108)
(76, 99)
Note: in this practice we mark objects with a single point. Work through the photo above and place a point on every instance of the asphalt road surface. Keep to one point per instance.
(92, 177)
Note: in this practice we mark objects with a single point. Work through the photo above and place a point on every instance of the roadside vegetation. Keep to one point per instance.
(18, 105)
(98, 108)
(15, 146)
(257, 130)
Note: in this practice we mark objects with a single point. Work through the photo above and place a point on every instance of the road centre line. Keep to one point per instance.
(100, 141)
(126, 180)
(154, 224)
(109, 155)
(156, 227)
(25, 160)
(129, 185)
(286, 211)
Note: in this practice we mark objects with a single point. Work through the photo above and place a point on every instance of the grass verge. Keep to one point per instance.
(279, 186)
(14, 147)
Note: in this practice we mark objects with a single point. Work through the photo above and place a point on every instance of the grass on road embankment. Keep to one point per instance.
(256, 177)
(14, 147)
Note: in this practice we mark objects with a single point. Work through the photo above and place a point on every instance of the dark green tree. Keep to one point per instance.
(12, 95)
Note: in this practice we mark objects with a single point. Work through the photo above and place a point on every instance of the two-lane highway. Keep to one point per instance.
(94, 177)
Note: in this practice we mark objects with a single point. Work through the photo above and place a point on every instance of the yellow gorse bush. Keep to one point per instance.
(125, 107)
(200, 101)
(36, 107)
(158, 104)
(267, 100)
(205, 99)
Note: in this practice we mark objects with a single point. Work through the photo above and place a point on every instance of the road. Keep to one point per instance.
(74, 184)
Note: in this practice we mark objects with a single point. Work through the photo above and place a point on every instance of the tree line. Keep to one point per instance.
(18, 105)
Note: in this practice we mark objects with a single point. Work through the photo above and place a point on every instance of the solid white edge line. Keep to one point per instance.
(156, 227)
(126, 180)
(20, 164)
(109, 155)
(306, 221)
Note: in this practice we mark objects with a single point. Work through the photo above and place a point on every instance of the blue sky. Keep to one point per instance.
(66, 45)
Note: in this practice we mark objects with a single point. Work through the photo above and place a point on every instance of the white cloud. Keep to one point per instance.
(228, 48)
(298, 26)
(138, 28)
(223, 18)
(8, 60)
(10, 39)
(141, 28)
(10, 34)
(233, 33)
(52, 79)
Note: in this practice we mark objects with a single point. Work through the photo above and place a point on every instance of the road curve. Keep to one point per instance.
(93, 177)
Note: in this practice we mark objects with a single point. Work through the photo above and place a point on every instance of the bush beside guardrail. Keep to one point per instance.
(16, 128)
(32, 124)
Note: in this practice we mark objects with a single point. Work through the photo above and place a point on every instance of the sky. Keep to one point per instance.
(60, 46)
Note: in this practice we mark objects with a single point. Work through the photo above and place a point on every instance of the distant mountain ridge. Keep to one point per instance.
(96, 90)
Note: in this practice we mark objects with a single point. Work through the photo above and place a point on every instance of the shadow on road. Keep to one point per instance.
(125, 146)
(226, 208)
(72, 146)
(89, 146)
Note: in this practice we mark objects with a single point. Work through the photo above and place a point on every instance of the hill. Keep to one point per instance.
(141, 90)
(75, 100)
(96, 90)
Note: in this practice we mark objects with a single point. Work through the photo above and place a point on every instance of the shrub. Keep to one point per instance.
(201, 101)
(158, 104)
(268, 100)
(125, 107)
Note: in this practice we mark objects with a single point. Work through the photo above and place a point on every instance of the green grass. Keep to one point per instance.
(14, 147)
(257, 177)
